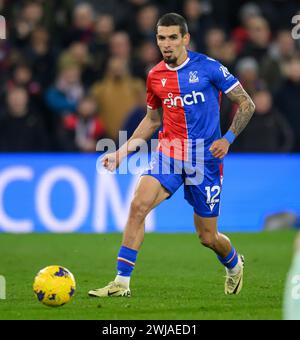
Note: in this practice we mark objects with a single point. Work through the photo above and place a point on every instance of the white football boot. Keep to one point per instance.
(113, 289)
(234, 283)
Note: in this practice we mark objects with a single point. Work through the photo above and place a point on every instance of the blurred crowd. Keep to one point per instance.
(73, 72)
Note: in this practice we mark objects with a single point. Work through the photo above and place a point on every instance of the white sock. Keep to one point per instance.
(235, 269)
(123, 281)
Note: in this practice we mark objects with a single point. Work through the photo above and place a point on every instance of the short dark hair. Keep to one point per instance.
(173, 19)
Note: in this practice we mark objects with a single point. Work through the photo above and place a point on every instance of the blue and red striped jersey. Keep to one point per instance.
(190, 97)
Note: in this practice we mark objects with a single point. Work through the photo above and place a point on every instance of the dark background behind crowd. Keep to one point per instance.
(72, 72)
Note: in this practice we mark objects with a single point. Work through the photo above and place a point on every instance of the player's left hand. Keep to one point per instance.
(219, 148)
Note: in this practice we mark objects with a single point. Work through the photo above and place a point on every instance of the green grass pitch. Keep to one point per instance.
(175, 277)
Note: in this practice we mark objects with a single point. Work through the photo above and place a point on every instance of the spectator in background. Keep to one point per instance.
(117, 94)
(31, 16)
(228, 54)
(273, 66)
(20, 128)
(41, 56)
(57, 15)
(199, 21)
(259, 34)
(247, 70)
(99, 47)
(130, 9)
(81, 131)
(65, 95)
(117, 8)
(22, 77)
(219, 48)
(82, 25)
(288, 98)
(148, 56)
(120, 47)
(268, 130)
(33, 13)
(279, 13)
(214, 41)
(78, 54)
(240, 33)
(144, 25)
(135, 5)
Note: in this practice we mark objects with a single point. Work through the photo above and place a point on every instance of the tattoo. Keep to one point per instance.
(245, 111)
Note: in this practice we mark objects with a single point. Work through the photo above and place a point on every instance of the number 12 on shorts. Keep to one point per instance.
(212, 193)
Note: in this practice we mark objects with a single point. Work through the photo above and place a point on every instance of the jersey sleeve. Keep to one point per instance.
(221, 77)
(153, 101)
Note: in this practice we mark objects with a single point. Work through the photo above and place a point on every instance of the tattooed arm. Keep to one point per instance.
(238, 95)
(245, 111)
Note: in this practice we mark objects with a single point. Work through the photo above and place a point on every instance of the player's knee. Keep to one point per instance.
(208, 240)
(139, 208)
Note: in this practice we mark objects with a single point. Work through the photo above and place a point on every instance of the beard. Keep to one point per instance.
(169, 60)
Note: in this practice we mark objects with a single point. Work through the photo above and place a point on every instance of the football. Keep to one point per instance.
(54, 286)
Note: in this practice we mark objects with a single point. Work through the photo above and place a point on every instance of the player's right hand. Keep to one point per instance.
(111, 161)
